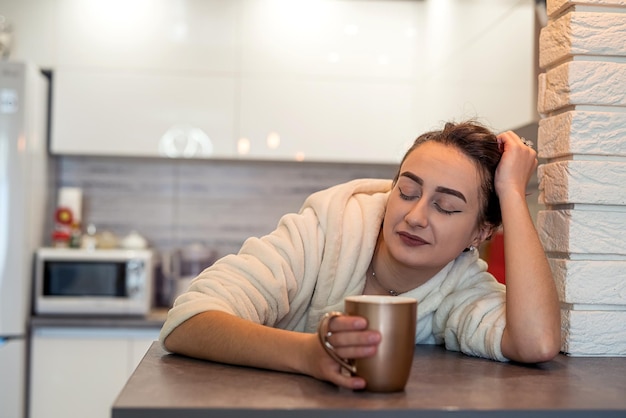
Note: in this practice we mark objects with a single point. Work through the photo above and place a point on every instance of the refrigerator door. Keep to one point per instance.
(23, 101)
(12, 365)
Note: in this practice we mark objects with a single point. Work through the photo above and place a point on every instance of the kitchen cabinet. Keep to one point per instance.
(117, 113)
(326, 120)
(138, 114)
(78, 372)
(322, 81)
(149, 79)
(12, 365)
(148, 36)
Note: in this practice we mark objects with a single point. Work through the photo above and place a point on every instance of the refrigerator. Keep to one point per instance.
(23, 199)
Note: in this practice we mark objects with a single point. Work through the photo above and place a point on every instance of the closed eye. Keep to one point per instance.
(406, 196)
(440, 209)
(444, 211)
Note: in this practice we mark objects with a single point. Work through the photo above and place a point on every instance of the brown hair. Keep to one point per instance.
(480, 145)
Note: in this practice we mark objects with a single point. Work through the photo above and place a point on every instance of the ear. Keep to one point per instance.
(484, 233)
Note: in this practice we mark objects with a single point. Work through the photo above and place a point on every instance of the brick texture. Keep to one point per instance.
(582, 137)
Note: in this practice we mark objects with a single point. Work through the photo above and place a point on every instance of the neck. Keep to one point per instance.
(382, 287)
(388, 276)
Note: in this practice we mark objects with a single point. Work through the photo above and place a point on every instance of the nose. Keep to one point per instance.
(417, 216)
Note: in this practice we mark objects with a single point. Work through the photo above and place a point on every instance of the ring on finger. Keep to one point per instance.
(324, 333)
(323, 330)
(527, 142)
(326, 342)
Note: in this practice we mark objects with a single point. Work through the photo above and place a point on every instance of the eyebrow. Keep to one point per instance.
(439, 189)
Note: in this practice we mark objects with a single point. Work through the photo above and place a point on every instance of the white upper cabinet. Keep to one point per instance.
(146, 78)
(142, 114)
(313, 80)
(325, 120)
(149, 35)
(328, 80)
(360, 80)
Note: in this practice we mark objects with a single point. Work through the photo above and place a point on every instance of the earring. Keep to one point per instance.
(471, 248)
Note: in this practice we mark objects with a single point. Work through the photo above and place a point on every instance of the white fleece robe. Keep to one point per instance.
(315, 258)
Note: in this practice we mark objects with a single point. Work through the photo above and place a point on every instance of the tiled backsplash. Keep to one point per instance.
(176, 202)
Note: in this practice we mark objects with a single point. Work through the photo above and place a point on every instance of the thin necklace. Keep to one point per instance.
(390, 291)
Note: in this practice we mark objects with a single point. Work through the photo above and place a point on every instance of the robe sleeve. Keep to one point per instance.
(472, 319)
(259, 282)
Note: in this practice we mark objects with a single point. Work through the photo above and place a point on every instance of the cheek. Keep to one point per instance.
(455, 234)
(393, 213)
(467, 237)
(390, 220)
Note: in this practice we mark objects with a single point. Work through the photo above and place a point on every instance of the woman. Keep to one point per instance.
(416, 236)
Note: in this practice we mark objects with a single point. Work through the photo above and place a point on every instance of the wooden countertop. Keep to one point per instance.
(442, 383)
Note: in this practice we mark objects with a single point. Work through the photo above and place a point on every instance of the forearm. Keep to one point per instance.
(532, 332)
(224, 338)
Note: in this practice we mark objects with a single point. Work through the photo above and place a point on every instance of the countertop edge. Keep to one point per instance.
(154, 319)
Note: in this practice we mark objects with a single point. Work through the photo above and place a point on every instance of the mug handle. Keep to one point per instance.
(323, 333)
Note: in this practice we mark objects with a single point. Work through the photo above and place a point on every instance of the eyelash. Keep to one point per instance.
(439, 208)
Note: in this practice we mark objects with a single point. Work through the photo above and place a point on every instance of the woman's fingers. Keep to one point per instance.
(347, 323)
(339, 376)
(321, 365)
(349, 337)
(516, 166)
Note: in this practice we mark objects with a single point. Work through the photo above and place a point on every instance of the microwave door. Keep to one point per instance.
(84, 279)
(111, 282)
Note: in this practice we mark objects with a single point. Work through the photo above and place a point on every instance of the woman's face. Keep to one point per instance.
(432, 211)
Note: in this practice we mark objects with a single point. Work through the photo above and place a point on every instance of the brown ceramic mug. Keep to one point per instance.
(395, 318)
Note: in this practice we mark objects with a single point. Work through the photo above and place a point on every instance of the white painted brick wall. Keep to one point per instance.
(583, 33)
(582, 136)
(594, 332)
(583, 133)
(582, 83)
(583, 232)
(594, 182)
(590, 282)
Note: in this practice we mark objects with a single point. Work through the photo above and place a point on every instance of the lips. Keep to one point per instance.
(411, 240)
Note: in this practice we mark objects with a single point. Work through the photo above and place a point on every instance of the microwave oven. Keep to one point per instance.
(93, 282)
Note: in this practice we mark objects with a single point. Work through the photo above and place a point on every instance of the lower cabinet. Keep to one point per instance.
(78, 372)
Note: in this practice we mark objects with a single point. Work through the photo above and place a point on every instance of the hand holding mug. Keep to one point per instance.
(395, 319)
(348, 336)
